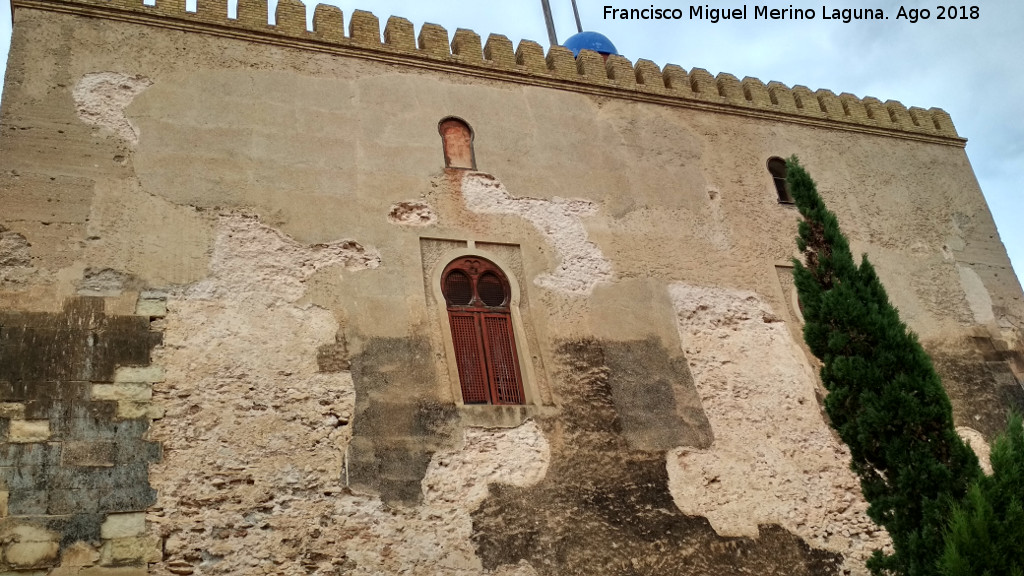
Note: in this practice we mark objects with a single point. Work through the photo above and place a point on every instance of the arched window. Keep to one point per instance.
(457, 140)
(478, 298)
(777, 167)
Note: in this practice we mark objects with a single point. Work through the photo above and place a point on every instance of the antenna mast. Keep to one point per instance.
(550, 22)
(576, 13)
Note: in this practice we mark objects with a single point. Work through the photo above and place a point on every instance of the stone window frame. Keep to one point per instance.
(531, 396)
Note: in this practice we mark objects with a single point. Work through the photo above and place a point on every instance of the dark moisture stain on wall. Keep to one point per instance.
(93, 463)
(981, 385)
(604, 508)
(399, 422)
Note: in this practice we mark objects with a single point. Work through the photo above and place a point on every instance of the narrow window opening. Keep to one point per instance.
(478, 299)
(777, 168)
(457, 141)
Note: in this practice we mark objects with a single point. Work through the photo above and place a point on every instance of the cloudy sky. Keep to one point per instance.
(972, 68)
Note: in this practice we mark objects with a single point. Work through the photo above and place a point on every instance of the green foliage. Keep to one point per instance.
(986, 530)
(885, 399)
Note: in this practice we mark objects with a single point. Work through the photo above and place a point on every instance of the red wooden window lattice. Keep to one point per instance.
(477, 295)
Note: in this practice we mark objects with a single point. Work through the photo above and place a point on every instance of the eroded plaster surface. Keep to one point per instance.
(773, 459)
(560, 220)
(101, 97)
(254, 479)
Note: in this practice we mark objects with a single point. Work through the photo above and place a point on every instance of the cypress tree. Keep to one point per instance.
(986, 530)
(885, 399)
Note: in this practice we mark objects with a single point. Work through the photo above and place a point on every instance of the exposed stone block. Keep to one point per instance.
(12, 410)
(139, 374)
(88, 454)
(112, 571)
(29, 431)
(134, 392)
(31, 554)
(807, 102)
(124, 525)
(138, 549)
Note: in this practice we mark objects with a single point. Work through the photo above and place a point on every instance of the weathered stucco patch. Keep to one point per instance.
(559, 220)
(976, 440)
(15, 259)
(519, 457)
(977, 295)
(101, 97)
(412, 213)
(773, 459)
(249, 405)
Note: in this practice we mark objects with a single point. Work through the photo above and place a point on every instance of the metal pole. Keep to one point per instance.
(550, 22)
(576, 13)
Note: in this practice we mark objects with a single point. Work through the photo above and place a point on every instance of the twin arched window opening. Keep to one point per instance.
(478, 299)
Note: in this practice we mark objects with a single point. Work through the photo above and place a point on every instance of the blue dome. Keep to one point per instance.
(590, 41)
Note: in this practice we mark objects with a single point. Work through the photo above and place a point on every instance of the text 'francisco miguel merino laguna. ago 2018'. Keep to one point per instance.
(845, 15)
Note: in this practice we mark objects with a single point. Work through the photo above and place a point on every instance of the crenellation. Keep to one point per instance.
(329, 23)
(703, 85)
(620, 69)
(648, 76)
(782, 97)
(290, 17)
(943, 122)
(829, 104)
(214, 11)
(729, 87)
(876, 112)
(561, 63)
(498, 50)
(807, 102)
(590, 66)
(364, 29)
(529, 59)
(399, 35)
(433, 41)
(253, 14)
(677, 80)
(172, 8)
(530, 56)
(466, 46)
(922, 120)
(854, 109)
(899, 115)
(756, 93)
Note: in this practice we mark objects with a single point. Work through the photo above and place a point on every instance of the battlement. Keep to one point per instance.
(465, 53)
